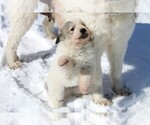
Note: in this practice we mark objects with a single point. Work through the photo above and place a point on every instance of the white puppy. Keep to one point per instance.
(74, 65)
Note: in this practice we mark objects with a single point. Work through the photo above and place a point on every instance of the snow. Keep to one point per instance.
(23, 92)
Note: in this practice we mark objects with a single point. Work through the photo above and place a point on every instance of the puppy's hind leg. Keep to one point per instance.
(85, 80)
(20, 22)
(56, 95)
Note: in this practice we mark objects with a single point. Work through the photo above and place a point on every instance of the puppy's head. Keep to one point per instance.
(75, 33)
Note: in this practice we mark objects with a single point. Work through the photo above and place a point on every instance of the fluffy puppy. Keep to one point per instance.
(73, 68)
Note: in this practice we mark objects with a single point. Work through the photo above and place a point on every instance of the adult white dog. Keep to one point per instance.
(111, 21)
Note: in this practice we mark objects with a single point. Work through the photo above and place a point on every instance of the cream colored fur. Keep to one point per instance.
(71, 63)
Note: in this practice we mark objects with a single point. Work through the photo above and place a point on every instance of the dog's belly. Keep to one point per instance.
(48, 2)
(94, 6)
(100, 16)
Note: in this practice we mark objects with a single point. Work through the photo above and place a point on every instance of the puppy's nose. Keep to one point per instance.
(83, 30)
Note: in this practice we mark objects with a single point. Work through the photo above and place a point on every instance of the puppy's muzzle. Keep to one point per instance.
(83, 30)
(84, 33)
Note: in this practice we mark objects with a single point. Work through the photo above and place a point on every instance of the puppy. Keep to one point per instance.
(73, 67)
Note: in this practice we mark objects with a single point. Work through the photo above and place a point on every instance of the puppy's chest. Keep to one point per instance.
(82, 60)
(82, 57)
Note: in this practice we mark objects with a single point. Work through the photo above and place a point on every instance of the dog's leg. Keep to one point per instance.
(48, 25)
(18, 27)
(96, 88)
(49, 28)
(117, 48)
(116, 52)
(21, 16)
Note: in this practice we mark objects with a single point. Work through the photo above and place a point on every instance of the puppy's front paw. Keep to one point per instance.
(64, 61)
(98, 99)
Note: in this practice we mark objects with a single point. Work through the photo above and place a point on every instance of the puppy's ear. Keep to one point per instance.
(66, 27)
(81, 22)
(57, 40)
(64, 31)
(60, 38)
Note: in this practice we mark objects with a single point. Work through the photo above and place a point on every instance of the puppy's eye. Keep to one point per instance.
(72, 29)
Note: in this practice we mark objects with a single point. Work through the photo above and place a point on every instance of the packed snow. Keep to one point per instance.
(23, 92)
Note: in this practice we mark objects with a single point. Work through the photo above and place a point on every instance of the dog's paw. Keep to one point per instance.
(98, 99)
(64, 61)
(109, 95)
(15, 65)
(119, 88)
(123, 91)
